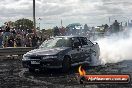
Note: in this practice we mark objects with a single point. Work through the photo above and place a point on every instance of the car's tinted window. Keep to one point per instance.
(57, 42)
(75, 40)
(83, 40)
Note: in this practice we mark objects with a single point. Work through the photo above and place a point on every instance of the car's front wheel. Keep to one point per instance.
(66, 65)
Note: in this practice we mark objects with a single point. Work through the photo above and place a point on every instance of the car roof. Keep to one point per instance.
(68, 36)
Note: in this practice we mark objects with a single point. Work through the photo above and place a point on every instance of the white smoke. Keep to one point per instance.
(116, 47)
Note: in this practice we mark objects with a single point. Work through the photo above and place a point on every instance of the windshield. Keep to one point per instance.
(56, 42)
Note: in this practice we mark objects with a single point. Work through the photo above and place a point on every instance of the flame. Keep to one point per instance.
(82, 72)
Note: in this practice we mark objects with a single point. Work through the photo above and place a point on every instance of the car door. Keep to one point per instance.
(89, 50)
(84, 48)
(75, 53)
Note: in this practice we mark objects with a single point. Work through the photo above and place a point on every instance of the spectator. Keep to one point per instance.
(28, 41)
(18, 41)
(5, 41)
(23, 41)
(11, 41)
(34, 41)
(116, 26)
(106, 27)
(6, 34)
(7, 30)
(29, 30)
(14, 32)
(1, 39)
(56, 31)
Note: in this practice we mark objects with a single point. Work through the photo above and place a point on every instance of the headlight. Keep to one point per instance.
(25, 58)
(47, 57)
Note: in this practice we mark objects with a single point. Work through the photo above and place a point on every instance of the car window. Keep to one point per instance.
(56, 42)
(83, 41)
(74, 40)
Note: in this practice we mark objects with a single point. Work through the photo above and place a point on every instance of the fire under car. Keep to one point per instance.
(61, 52)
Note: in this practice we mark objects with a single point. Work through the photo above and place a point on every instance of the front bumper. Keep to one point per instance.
(42, 64)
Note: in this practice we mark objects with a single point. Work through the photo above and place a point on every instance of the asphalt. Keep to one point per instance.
(13, 75)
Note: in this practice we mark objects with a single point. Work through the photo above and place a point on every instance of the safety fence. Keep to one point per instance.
(14, 51)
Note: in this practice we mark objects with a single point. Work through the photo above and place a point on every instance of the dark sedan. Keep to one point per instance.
(61, 52)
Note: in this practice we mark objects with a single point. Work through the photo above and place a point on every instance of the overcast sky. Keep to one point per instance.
(92, 12)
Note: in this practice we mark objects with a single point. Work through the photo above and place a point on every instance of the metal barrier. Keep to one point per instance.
(14, 51)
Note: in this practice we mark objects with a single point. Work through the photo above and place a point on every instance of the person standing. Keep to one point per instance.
(11, 41)
(1, 40)
(18, 42)
(56, 31)
(7, 30)
(28, 41)
(34, 41)
(116, 26)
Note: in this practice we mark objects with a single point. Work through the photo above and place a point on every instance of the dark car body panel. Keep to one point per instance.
(53, 57)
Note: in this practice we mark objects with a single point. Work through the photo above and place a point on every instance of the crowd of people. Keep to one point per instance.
(70, 31)
(12, 37)
(18, 37)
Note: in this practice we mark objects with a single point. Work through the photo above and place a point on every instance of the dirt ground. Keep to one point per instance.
(12, 75)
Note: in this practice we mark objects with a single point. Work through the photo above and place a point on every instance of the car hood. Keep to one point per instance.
(42, 51)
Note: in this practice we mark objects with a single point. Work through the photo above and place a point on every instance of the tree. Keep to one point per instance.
(9, 23)
(23, 24)
(46, 33)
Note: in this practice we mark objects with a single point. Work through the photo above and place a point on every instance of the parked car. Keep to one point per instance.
(61, 52)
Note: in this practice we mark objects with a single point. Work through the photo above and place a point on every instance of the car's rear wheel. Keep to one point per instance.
(93, 58)
(31, 70)
(66, 65)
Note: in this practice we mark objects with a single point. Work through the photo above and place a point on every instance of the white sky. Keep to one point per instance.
(92, 12)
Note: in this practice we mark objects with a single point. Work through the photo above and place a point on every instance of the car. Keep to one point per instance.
(61, 52)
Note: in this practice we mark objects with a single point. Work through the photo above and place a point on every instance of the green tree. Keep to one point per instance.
(47, 33)
(23, 24)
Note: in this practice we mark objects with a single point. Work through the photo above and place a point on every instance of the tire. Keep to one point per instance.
(32, 70)
(94, 58)
(66, 65)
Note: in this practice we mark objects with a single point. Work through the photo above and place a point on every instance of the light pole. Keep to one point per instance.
(34, 20)
(39, 19)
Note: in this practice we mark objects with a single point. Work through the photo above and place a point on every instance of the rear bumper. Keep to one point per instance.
(43, 64)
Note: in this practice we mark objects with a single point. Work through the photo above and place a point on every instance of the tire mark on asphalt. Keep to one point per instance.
(21, 74)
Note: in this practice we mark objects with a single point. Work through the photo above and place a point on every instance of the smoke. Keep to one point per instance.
(116, 47)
